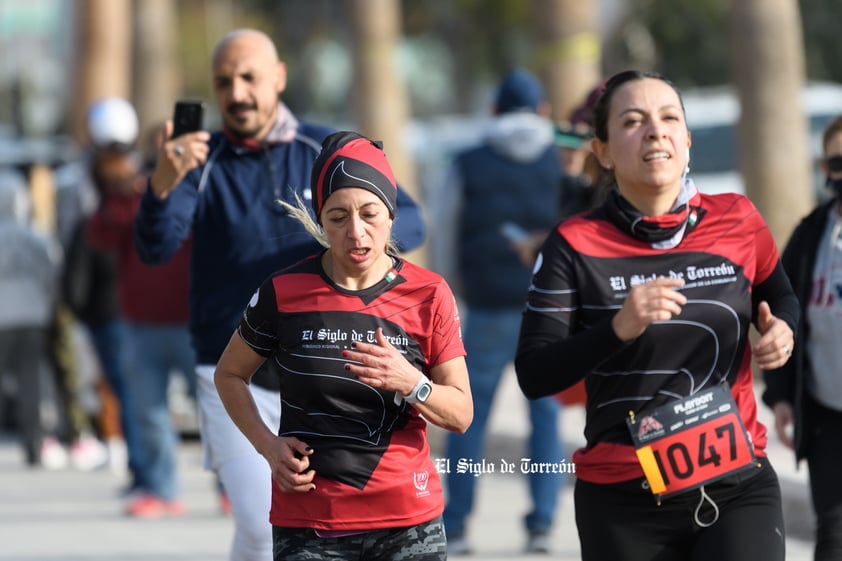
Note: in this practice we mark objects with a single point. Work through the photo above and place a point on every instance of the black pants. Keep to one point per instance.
(622, 522)
(21, 352)
(824, 456)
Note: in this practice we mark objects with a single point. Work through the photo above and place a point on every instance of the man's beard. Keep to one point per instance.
(234, 126)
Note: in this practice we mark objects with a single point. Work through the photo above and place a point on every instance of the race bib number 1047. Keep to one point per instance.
(685, 444)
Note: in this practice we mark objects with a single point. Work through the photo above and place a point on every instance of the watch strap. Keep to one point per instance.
(412, 397)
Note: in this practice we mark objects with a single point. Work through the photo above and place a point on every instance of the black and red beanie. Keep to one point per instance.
(349, 159)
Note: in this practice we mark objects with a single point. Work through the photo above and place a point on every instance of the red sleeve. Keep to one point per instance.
(111, 227)
(447, 328)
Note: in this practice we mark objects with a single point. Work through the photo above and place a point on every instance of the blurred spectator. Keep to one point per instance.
(806, 393)
(500, 203)
(28, 269)
(76, 428)
(153, 306)
(574, 150)
(110, 121)
(579, 184)
(89, 279)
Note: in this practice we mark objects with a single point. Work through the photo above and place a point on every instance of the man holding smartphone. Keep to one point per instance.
(224, 187)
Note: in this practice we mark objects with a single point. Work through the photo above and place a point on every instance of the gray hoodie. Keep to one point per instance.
(28, 261)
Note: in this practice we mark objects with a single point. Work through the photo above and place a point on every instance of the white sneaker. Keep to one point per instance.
(88, 453)
(53, 456)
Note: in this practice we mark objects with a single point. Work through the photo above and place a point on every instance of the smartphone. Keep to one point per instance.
(188, 116)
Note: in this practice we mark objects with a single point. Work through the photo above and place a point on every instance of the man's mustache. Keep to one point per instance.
(232, 107)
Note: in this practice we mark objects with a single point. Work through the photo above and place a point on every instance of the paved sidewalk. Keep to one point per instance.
(77, 516)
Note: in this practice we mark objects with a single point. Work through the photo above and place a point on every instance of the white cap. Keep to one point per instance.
(112, 120)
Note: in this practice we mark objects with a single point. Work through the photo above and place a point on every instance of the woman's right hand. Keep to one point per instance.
(290, 463)
(655, 300)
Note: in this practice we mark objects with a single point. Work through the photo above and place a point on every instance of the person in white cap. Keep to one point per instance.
(89, 276)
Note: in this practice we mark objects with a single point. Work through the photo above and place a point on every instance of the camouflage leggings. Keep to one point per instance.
(63, 361)
(424, 542)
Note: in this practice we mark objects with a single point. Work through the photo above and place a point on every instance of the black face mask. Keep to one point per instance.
(834, 165)
(835, 185)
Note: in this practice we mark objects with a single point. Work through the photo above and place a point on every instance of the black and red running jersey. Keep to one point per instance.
(583, 275)
(371, 456)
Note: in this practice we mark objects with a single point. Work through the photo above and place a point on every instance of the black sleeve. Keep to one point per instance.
(546, 365)
(258, 324)
(780, 383)
(76, 281)
(777, 291)
(554, 351)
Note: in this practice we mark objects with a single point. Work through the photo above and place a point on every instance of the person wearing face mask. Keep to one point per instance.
(806, 394)
(650, 298)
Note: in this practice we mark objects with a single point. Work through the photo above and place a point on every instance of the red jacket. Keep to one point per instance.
(147, 294)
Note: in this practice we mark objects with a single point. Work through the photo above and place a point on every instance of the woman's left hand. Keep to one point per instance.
(776, 341)
(381, 365)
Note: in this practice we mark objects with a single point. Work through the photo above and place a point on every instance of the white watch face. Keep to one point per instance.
(424, 392)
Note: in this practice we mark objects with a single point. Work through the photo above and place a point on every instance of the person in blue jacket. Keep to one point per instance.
(223, 189)
(500, 202)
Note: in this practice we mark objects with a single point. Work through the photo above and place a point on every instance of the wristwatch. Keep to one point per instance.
(421, 391)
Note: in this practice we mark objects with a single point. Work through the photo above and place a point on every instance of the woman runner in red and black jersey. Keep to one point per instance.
(366, 347)
(649, 299)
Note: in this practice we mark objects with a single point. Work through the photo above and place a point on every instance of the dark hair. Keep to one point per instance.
(603, 104)
(832, 129)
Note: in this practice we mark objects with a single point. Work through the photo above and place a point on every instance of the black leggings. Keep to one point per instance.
(622, 522)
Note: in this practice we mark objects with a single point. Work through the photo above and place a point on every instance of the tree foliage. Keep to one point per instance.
(690, 39)
(822, 31)
(691, 43)
(455, 49)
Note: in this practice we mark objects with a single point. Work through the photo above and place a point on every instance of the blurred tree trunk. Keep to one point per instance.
(156, 79)
(381, 100)
(103, 48)
(768, 70)
(568, 51)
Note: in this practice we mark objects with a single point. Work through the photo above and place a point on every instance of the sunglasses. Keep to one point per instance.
(834, 163)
